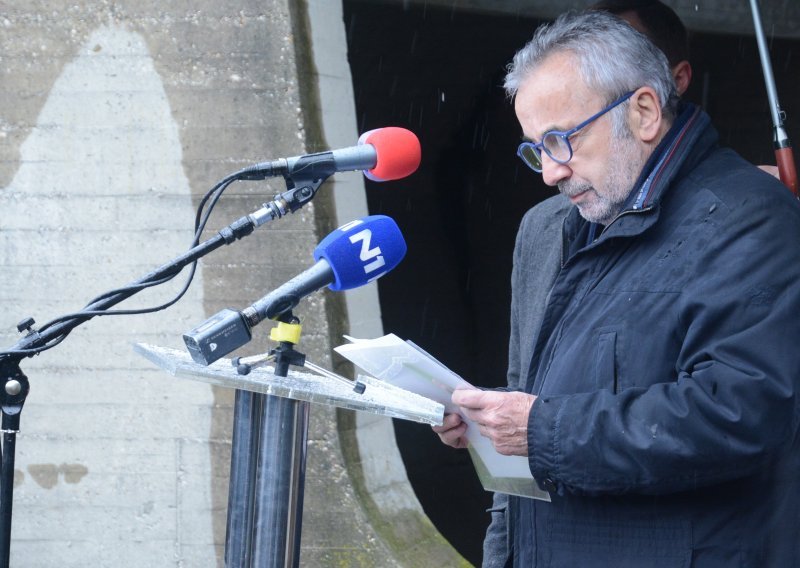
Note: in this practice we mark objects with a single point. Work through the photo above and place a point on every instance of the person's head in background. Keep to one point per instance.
(662, 25)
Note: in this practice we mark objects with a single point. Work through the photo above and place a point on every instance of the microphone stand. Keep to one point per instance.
(268, 464)
(14, 385)
(268, 461)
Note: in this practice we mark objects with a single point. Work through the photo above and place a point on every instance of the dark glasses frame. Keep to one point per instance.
(531, 152)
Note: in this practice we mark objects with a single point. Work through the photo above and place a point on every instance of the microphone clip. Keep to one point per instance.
(289, 201)
(299, 193)
(287, 334)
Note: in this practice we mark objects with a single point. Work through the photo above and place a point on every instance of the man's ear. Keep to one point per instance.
(646, 118)
(682, 73)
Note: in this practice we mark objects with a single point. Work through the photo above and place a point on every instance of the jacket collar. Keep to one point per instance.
(686, 143)
(680, 150)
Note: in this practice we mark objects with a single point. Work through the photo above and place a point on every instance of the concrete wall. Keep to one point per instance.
(115, 118)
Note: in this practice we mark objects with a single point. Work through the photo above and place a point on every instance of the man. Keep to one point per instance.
(660, 404)
(537, 253)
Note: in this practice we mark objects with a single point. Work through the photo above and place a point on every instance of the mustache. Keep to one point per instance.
(571, 188)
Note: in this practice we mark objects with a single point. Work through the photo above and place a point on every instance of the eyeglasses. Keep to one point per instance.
(556, 143)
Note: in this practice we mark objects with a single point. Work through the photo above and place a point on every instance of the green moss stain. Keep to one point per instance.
(410, 535)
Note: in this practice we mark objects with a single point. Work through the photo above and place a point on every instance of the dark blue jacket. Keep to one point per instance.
(668, 371)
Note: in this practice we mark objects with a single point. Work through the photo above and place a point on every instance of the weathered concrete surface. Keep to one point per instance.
(115, 118)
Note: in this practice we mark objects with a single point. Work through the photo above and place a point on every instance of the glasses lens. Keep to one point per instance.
(557, 147)
(530, 155)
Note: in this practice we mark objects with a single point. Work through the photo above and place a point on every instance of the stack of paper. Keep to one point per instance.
(405, 365)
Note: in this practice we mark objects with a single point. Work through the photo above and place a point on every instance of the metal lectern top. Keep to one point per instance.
(378, 398)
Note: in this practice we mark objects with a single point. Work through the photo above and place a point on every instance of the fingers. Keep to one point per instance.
(771, 170)
(452, 431)
(502, 417)
(470, 398)
(450, 421)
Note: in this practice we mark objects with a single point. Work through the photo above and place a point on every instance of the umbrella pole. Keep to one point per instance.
(781, 143)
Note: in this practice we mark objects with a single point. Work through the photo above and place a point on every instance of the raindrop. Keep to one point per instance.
(351, 28)
(424, 316)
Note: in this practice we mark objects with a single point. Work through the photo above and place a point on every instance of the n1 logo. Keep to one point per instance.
(368, 253)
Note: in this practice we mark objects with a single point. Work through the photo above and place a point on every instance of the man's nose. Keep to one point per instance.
(554, 172)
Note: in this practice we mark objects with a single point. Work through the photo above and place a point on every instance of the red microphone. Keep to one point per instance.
(383, 154)
(397, 153)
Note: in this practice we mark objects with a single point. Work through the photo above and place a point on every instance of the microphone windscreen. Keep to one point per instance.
(398, 153)
(362, 251)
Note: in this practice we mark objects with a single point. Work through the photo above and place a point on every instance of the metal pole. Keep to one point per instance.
(14, 389)
(265, 497)
(280, 483)
(6, 497)
(783, 147)
(247, 413)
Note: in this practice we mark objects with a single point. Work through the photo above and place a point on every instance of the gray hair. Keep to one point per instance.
(613, 59)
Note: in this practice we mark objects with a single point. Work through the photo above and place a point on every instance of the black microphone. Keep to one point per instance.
(383, 154)
(351, 256)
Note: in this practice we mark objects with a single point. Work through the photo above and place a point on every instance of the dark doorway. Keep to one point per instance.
(439, 72)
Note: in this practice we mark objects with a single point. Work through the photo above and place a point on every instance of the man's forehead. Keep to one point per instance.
(553, 96)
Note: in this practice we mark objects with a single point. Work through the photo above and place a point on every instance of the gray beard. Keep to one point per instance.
(623, 169)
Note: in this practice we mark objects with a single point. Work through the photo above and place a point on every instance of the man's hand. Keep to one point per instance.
(771, 170)
(501, 416)
(452, 431)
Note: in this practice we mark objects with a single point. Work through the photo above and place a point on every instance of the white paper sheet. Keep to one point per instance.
(407, 366)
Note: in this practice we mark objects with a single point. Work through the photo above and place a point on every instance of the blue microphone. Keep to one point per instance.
(353, 255)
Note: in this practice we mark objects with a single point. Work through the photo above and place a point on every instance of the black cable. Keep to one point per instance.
(208, 202)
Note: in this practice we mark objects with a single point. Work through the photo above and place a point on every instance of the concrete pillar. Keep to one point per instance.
(116, 118)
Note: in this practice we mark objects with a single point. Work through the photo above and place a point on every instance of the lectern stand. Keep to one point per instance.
(268, 454)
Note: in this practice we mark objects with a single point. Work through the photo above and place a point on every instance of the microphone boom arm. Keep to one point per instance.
(35, 340)
(14, 385)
